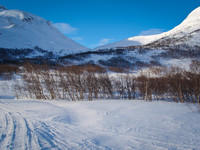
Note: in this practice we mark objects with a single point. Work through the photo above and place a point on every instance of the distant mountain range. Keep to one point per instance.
(177, 47)
(26, 36)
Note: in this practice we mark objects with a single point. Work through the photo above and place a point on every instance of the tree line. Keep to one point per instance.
(93, 82)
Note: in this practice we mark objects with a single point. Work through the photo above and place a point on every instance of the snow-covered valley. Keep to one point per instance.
(90, 109)
(107, 124)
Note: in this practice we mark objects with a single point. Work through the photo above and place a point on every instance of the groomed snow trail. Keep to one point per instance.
(32, 124)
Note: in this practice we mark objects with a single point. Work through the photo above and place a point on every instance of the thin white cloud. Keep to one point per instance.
(104, 41)
(65, 28)
(151, 32)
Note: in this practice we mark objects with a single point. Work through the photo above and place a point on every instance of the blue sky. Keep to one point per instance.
(96, 22)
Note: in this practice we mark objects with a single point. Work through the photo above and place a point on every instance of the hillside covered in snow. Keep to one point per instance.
(34, 35)
(177, 47)
(186, 35)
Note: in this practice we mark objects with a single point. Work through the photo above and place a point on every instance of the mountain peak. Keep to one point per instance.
(194, 14)
(2, 8)
(187, 33)
(23, 30)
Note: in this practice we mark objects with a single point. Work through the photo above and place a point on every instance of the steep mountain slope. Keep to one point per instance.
(186, 35)
(23, 30)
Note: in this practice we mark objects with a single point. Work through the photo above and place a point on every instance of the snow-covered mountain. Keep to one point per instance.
(177, 47)
(23, 30)
(187, 34)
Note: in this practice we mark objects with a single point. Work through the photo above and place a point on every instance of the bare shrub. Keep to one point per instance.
(88, 82)
(32, 81)
(105, 85)
(49, 81)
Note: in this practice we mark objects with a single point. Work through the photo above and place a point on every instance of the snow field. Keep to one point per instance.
(105, 124)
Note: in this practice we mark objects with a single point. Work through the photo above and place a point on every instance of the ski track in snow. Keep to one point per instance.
(32, 124)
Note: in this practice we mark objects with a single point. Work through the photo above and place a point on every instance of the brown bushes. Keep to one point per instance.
(85, 68)
(176, 84)
(74, 82)
(86, 82)
(7, 71)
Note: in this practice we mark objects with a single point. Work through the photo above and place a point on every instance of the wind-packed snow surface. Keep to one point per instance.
(187, 33)
(23, 30)
(106, 124)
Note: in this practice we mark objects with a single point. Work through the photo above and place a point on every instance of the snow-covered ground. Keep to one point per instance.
(32, 124)
(103, 124)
